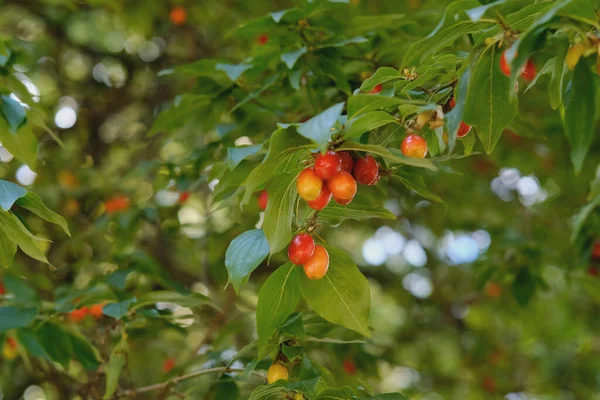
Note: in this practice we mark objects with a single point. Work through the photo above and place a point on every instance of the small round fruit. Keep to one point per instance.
(504, 65)
(414, 146)
(463, 130)
(349, 366)
(573, 55)
(277, 372)
(316, 267)
(347, 161)
(327, 165)
(309, 184)
(96, 311)
(452, 103)
(301, 248)
(168, 365)
(116, 204)
(529, 71)
(2, 289)
(493, 290)
(321, 202)
(178, 15)
(79, 314)
(298, 396)
(343, 202)
(262, 39)
(342, 186)
(263, 198)
(366, 171)
(183, 197)
(376, 89)
(596, 250)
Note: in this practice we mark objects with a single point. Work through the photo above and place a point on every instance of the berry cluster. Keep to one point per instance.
(79, 314)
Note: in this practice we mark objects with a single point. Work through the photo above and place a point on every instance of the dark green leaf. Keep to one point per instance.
(20, 289)
(280, 211)
(116, 363)
(318, 128)
(367, 122)
(559, 70)
(182, 299)
(29, 341)
(393, 156)
(119, 309)
(382, 75)
(334, 213)
(56, 342)
(416, 182)
(244, 254)
(12, 317)
(523, 287)
(84, 352)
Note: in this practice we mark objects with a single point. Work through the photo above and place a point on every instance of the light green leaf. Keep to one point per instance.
(244, 254)
(334, 213)
(546, 69)
(7, 249)
(416, 182)
(13, 112)
(21, 236)
(363, 103)
(277, 299)
(367, 122)
(344, 42)
(12, 317)
(114, 367)
(291, 57)
(342, 296)
(235, 155)
(280, 212)
(393, 156)
(9, 193)
(581, 216)
(382, 75)
(559, 71)
(34, 203)
(23, 144)
(336, 394)
(256, 93)
(476, 13)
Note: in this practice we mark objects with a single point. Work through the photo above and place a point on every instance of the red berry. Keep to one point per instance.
(96, 311)
(317, 265)
(309, 184)
(593, 271)
(529, 71)
(463, 129)
(504, 65)
(366, 171)
(321, 202)
(183, 197)
(349, 366)
(263, 198)
(262, 39)
(11, 342)
(342, 202)
(489, 384)
(2, 289)
(347, 161)
(414, 146)
(178, 15)
(168, 365)
(328, 164)
(452, 103)
(596, 250)
(301, 248)
(116, 204)
(376, 89)
(79, 314)
(342, 186)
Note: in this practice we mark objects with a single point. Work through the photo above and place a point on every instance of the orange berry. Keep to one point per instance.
(376, 89)
(414, 146)
(342, 186)
(493, 290)
(116, 204)
(309, 184)
(321, 202)
(79, 314)
(96, 311)
(178, 15)
(316, 267)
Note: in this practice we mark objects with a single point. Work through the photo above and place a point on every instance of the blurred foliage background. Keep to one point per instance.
(482, 296)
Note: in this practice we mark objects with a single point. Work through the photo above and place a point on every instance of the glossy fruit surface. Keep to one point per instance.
(302, 247)
(316, 267)
(366, 171)
(343, 202)
(309, 184)
(342, 186)
(277, 372)
(263, 198)
(529, 71)
(414, 146)
(347, 161)
(504, 65)
(376, 89)
(463, 130)
(321, 202)
(327, 165)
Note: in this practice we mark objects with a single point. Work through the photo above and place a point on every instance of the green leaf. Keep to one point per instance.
(256, 93)
(8, 249)
(332, 69)
(581, 216)
(335, 214)
(336, 394)
(468, 143)
(342, 296)
(22, 145)
(455, 117)
(291, 57)
(21, 236)
(318, 128)
(244, 255)
(454, 24)
(13, 112)
(56, 342)
(280, 212)
(367, 122)
(393, 156)
(34, 203)
(559, 70)
(84, 352)
(119, 309)
(489, 107)
(30, 342)
(388, 396)
(9, 193)
(416, 182)
(580, 109)
(182, 299)
(382, 75)
(114, 367)
(12, 317)
(475, 14)
(277, 299)
(294, 327)
(363, 103)
(20, 289)
(235, 155)
(233, 71)
(269, 392)
(546, 69)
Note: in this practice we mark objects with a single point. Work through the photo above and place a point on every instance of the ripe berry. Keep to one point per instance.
(349, 366)
(116, 204)
(347, 161)
(316, 267)
(178, 15)
(452, 103)
(96, 311)
(262, 39)
(414, 146)
(593, 271)
(463, 130)
(301, 248)
(327, 165)
(529, 71)
(366, 171)
(309, 184)
(276, 373)
(321, 202)
(493, 290)
(2, 289)
(342, 186)
(79, 314)
(376, 89)
(504, 65)
(342, 202)
(168, 365)
(183, 197)
(596, 250)
(263, 198)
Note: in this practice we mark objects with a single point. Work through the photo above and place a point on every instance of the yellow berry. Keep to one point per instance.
(276, 373)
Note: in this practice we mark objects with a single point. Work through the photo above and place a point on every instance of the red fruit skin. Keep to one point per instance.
(168, 365)
(593, 271)
(452, 103)
(529, 71)
(116, 204)
(347, 161)
(96, 311)
(327, 165)
(376, 89)
(301, 248)
(342, 186)
(79, 314)
(596, 250)
(178, 16)
(349, 366)
(263, 199)
(463, 130)
(316, 267)
(504, 66)
(309, 184)
(262, 39)
(2, 289)
(414, 146)
(343, 202)
(321, 202)
(366, 171)
(183, 197)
